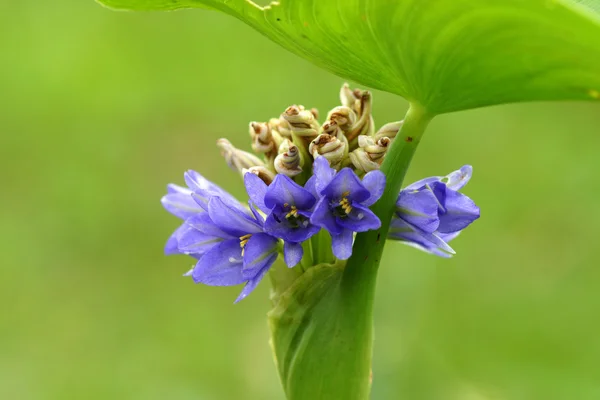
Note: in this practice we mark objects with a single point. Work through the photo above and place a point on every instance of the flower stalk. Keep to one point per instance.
(317, 186)
(323, 346)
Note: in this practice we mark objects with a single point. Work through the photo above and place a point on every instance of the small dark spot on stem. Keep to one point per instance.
(409, 139)
(378, 237)
(304, 36)
(278, 19)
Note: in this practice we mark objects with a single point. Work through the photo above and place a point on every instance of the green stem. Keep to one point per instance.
(322, 333)
(369, 245)
(359, 278)
(321, 244)
(307, 257)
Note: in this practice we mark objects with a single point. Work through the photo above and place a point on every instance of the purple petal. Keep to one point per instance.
(194, 241)
(374, 182)
(258, 216)
(256, 189)
(221, 266)
(426, 181)
(427, 249)
(342, 244)
(203, 190)
(419, 208)
(458, 179)
(172, 243)
(282, 229)
(179, 202)
(446, 237)
(461, 211)
(310, 186)
(400, 230)
(260, 252)
(204, 224)
(346, 184)
(439, 190)
(323, 216)
(231, 220)
(360, 219)
(292, 253)
(251, 285)
(323, 173)
(283, 190)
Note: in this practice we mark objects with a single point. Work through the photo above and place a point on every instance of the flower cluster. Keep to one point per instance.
(311, 177)
(431, 212)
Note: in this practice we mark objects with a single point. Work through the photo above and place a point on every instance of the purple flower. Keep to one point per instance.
(431, 212)
(187, 202)
(227, 239)
(288, 207)
(343, 205)
(179, 202)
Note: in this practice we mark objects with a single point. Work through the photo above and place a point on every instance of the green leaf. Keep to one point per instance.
(593, 5)
(446, 55)
(321, 335)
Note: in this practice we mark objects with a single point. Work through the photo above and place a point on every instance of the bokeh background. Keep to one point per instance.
(99, 110)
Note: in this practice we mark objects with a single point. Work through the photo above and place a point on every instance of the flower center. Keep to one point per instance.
(243, 240)
(293, 213)
(293, 218)
(344, 207)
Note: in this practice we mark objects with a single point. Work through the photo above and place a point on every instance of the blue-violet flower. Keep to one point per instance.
(227, 239)
(431, 212)
(288, 207)
(343, 203)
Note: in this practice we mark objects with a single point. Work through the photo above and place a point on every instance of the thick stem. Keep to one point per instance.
(369, 245)
(359, 278)
(322, 326)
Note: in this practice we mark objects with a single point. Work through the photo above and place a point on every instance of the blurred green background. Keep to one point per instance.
(99, 110)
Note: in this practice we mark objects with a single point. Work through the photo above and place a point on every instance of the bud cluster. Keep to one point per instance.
(312, 180)
(290, 143)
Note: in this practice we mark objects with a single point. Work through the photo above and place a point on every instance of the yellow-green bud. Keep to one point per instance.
(281, 126)
(389, 130)
(288, 161)
(343, 116)
(264, 140)
(348, 97)
(302, 122)
(263, 173)
(364, 125)
(237, 159)
(370, 153)
(330, 147)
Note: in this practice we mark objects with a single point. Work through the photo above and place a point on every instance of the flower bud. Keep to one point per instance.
(343, 116)
(302, 122)
(237, 159)
(364, 125)
(389, 130)
(288, 161)
(361, 161)
(348, 97)
(264, 140)
(370, 153)
(330, 147)
(281, 126)
(375, 149)
(263, 173)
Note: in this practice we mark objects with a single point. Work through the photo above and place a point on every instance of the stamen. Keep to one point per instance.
(243, 240)
(345, 204)
(293, 213)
